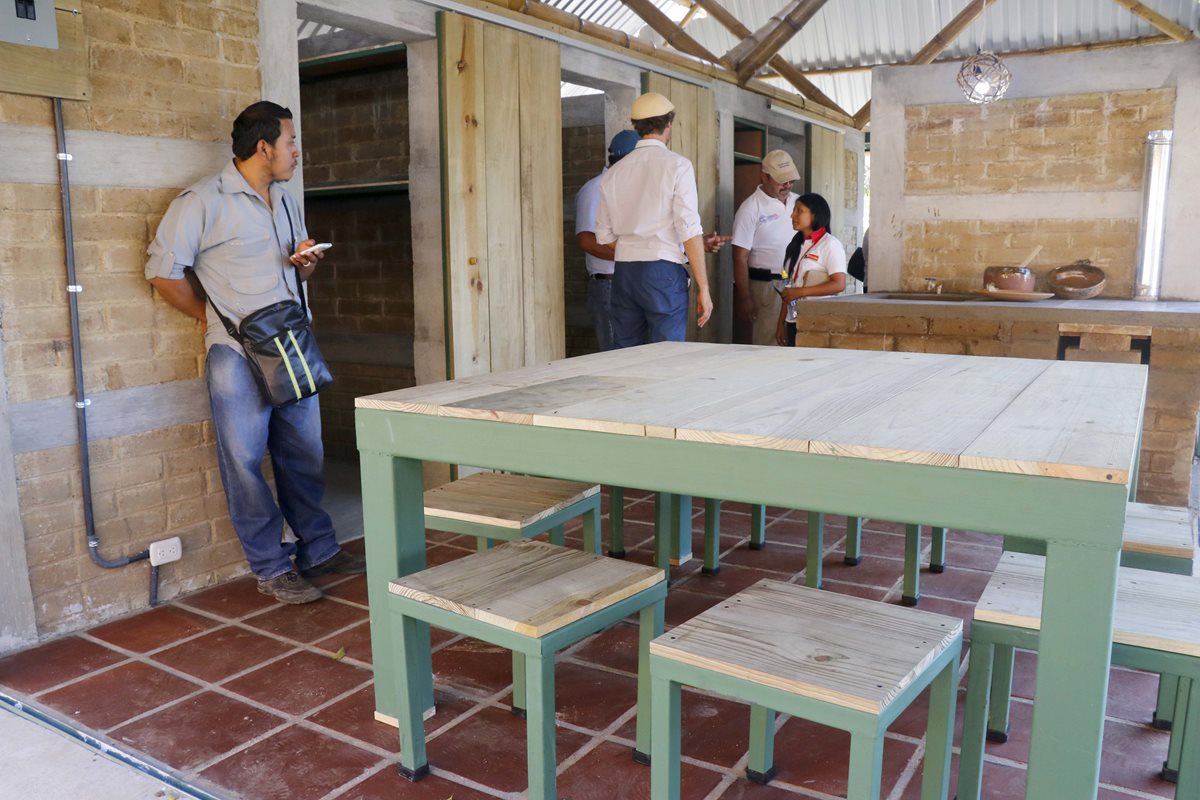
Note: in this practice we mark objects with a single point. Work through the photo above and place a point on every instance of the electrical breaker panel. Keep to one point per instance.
(30, 22)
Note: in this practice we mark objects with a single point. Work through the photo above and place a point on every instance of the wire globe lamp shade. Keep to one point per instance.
(983, 78)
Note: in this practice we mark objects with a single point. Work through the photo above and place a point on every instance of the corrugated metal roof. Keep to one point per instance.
(862, 32)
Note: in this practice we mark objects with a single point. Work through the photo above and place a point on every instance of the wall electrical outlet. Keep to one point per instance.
(165, 551)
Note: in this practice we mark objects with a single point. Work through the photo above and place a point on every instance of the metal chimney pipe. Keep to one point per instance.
(1148, 279)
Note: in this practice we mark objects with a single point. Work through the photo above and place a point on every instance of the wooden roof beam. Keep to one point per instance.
(784, 67)
(675, 36)
(765, 43)
(944, 38)
(1170, 28)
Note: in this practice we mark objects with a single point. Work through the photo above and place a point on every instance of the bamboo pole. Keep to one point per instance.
(765, 43)
(662, 24)
(1170, 28)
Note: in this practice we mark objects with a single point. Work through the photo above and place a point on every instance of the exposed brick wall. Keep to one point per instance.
(957, 251)
(1087, 142)
(356, 127)
(584, 155)
(176, 70)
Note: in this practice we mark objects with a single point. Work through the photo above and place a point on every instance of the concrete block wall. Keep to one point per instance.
(356, 127)
(166, 81)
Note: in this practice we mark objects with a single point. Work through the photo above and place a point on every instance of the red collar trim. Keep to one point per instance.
(817, 234)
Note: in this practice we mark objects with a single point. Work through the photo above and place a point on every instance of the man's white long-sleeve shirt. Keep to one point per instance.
(648, 205)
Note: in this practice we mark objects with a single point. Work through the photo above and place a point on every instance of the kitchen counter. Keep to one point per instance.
(1100, 311)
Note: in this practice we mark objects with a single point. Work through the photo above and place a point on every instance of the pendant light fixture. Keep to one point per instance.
(983, 77)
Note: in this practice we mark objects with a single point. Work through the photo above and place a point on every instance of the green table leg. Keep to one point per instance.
(539, 726)
(1001, 693)
(816, 549)
(483, 544)
(520, 681)
(662, 532)
(853, 541)
(591, 528)
(414, 764)
(937, 554)
(558, 535)
(394, 526)
(616, 521)
(651, 621)
(681, 529)
(712, 537)
(1189, 767)
(939, 733)
(1164, 710)
(1171, 767)
(979, 679)
(912, 565)
(866, 766)
(664, 762)
(1072, 675)
(761, 767)
(758, 527)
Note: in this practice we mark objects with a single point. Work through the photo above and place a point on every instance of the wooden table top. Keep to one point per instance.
(1076, 420)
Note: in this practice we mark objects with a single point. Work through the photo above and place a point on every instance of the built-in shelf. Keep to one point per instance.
(357, 189)
(744, 158)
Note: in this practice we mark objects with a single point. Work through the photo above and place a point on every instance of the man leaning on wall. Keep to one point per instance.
(242, 234)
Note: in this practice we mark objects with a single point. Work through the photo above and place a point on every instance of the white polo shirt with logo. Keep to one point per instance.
(823, 252)
(763, 225)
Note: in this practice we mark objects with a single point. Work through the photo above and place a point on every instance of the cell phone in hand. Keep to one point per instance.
(316, 248)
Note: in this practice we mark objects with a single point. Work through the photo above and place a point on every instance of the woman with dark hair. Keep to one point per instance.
(814, 264)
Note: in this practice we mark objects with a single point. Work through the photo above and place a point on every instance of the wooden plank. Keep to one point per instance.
(1097, 356)
(919, 426)
(541, 200)
(1160, 530)
(529, 587)
(1078, 328)
(512, 501)
(1155, 610)
(44, 72)
(1074, 421)
(1104, 342)
(465, 189)
(505, 231)
(798, 640)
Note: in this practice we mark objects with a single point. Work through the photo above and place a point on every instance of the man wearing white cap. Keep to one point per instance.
(599, 257)
(648, 209)
(762, 229)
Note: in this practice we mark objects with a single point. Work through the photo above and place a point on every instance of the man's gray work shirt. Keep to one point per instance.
(238, 247)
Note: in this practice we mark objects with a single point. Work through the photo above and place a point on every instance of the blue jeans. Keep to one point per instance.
(649, 302)
(246, 428)
(599, 306)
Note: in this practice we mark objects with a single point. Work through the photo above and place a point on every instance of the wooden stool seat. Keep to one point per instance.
(837, 660)
(498, 506)
(534, 599)
(1166, 531)
(1156, 628)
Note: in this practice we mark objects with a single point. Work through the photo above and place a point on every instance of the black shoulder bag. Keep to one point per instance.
(281, 348)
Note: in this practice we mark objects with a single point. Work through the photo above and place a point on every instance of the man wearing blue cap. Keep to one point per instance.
(599, 257)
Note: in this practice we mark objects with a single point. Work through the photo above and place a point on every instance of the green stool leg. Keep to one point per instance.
(616, 521)
(866, 766)
(519, 683)
(761, 767)
(681, 529)
(662, 532)
(1164, 711)
(758, 527)
(1001, 693)
(1171, 767)
(650, 626)
(939, 733)
(591, 529)
(712, 537)
(853, 541)
(1189, 766)
(979, 677)
(937, 554)
(558, 535)
(912, 565)
(664, 762)
(539, 726)
(483, 544)
(816, 549)
(410, 711)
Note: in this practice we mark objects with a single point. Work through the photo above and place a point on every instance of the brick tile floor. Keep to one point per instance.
(246, 698)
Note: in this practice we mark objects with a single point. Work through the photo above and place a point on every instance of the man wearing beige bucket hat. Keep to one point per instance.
(648, 208)
(762, 229)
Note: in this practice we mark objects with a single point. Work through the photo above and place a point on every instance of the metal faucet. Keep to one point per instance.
(933, 284)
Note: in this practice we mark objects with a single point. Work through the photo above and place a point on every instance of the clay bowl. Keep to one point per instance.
(1009, 279)
(1076, 281)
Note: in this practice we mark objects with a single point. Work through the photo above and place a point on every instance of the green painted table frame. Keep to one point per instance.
(533, 661)
(866, 730)
(1082, 521)
(992, 643)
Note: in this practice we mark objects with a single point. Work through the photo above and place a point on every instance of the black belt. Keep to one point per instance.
(600, 276)
(760, 274)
